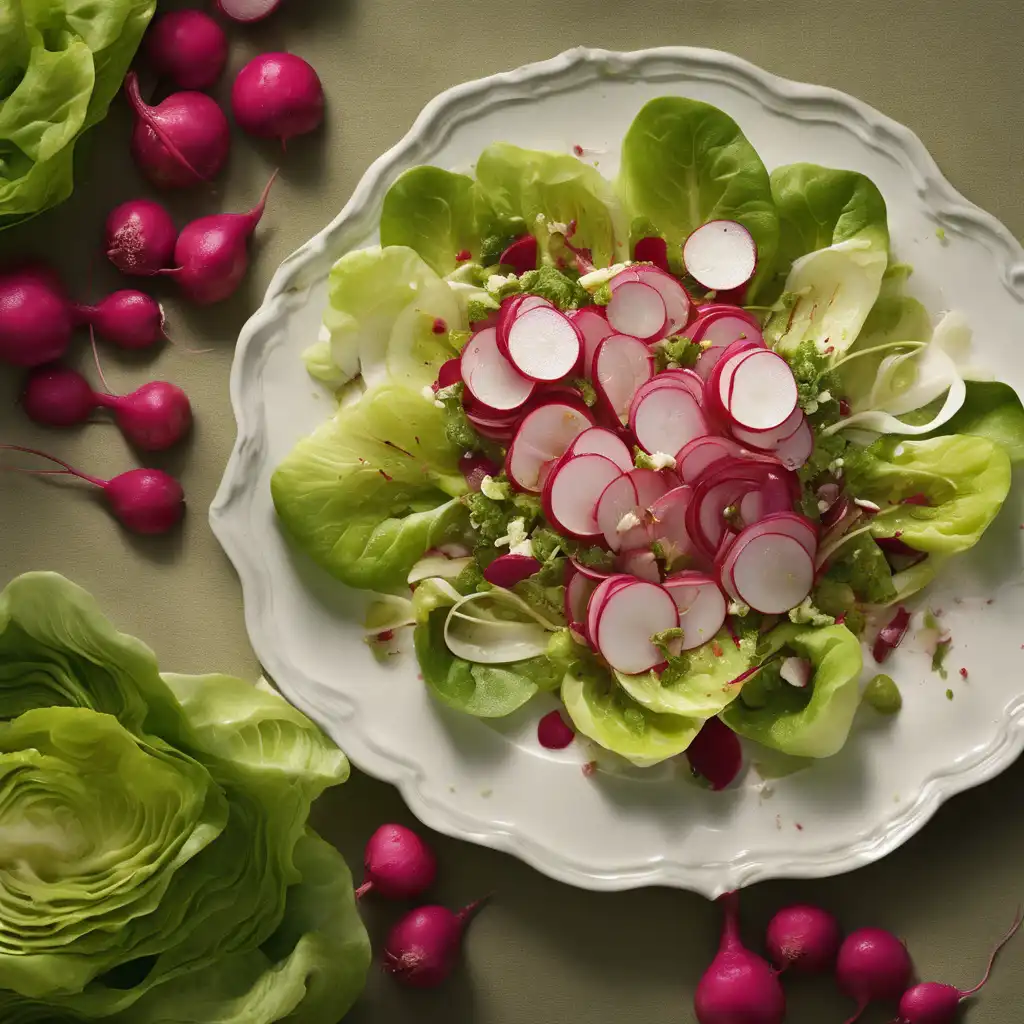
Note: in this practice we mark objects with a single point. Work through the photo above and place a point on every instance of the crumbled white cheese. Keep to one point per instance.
(627, 522)
(811, 407)
(516, 534)
(438, 403)
(825, 396)
(602, 275)
(823, 506)
(494, 489)
(428, 393)
(660, 460)
(495, 281)
(522, 548)
(898, 450)
(739, 609)
(556, 227)
(835, 467)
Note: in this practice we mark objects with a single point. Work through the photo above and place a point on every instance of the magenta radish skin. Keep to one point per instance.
(665, 419)
(715, 754)
(247, 12)
(212, 253)
(36, 317)
(140, 237)
(508, 570)
(180, 143)
(739, 987)
(803, 939)
(621, 365)
(422, 950)
(55, 396)
(652, 249)
(872, 966)
(128, 318)
(187, 48)
(521, 255)
(399, 865)
(553, 732)
(278, 96)
(474, 467)
(594, 328)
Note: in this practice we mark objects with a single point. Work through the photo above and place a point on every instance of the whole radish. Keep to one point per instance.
(129, 319)
(212, 253)
(278, 96)
(36, 316)
(188, 48)
(423, 948)
(140, 237)
(182, 141)
(739, 987)
(399, 865)
(144, 501)
(872, 966)
(803, 939)
(932, 1002)
(247, 11)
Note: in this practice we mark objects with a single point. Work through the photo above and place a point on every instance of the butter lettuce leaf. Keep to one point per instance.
(992, 410)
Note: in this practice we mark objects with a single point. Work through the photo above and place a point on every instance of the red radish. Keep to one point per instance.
(423, 948)
(572, 491)
(553, 732)
(140, 237)
(599, 441)
(544, 344)
(597, 575)
(182, 141)
(544, 435)
(56, 396)
(702, 608)
(629, 616)
(715, 753)
(790, 524)
(594, 328)
(767, 440)
(621, 365)
(762, 391)
(247, 11)
(687, 378)
(803, 939)
(668, 522)
(399, 864)
(770, 572)
(665, 419)
(796, 449)
(188, 48)
(508, 570)
(489, 376)
(577, 594)
(719, 383)
(623, 515)
(144, 501)
(638, 310)
(128, 318)
(36, 316)
(652, 250)
(678, 306)
(641, 563)
(449, 373)
(521, 255)
(739, 987)
(720, 255)
(872, 966)
(715, 332)
(212, 253)
(934, 1003)
(475, 467)
(510, 309)
(603, 590)
(891, 636)
(718, 308)
(278, 96)
(703, 452)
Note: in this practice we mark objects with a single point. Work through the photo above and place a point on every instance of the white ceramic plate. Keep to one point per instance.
(490, 782)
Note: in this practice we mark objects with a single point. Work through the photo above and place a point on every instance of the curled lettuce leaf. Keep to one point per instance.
(992, 410)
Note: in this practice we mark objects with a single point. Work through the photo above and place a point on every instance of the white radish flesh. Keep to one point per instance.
(703, 452)
(638, 310)
(572, 492)
(669, 522)
(621, 365)
(544, 435)
(628, 619)
(702, 607)
(716, 333)
(677, 302)
(594, 328)
(688, 378)
(510, 309)
(770, 572)
(666, 418)
(544, 344)
(766, 440)
(762, 392)
(719, 385)
(577, 594)
(629, 497)
(796, 671)
(489, 376)
(589, 571)
(796, 449)
(597, 599)
(721, 255)
(599, 441)
(641, 563)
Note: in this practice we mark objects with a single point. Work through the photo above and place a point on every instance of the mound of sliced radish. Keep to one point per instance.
(721, 255)
(490, 377)
(626, 618)
(543, 436)
(571, 494)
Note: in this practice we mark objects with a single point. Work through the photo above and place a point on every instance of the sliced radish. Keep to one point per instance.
(719, 382)
(762, 391)
(668, 527)
(652, 249)
(703, 452)
(641, 563)
(796, 671)
(710, 308)
(512, 308)
(721, 255)
(544, 435)
(621, 365)
(594, 328)
(637, 309)
(689, 379)
(521, 255)
(796, 449)
(448, 373)
(572, 491)
(628, 618)
(544, 344)
(771, 572)
(489, 376)
(766, 440)
(508, 570)
(623, 510)
(589, 571)
(577, 594)
(597, 599)
(599, 441)
(702, 606)
(716, 332)
(247, 11)
(678, 307)
(666, 418)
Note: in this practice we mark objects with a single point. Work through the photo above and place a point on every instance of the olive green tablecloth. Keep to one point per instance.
(542, 952)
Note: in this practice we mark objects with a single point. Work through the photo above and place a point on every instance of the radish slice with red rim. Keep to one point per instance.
(597, 599)
(489, 376)
(717, 389)
(589, 571)
(448, 373)
(629, 616)
(666, 418)
(762, 391)
(766, 440)
(726, 308)
(508, 570)
(594, 328)
(716, 333)
(544, 434)
(796, 449)
(771, 572)
(702, 606)
(721, 255)
(544, 344)
(638, 310)
(689, 379)
(678, 307)
(512, 308)
(630, 495)
(668, 514)
(621, 365)
(702, 453)
(663, 380)
(641, 563)
(577, 594)
(572, 491)
(599, 441)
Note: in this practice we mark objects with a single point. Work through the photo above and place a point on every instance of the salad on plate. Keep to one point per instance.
(675, 448)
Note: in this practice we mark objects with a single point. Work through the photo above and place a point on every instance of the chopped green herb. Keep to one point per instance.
(939, 657)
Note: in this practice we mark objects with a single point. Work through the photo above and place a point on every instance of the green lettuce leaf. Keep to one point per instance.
(373, 488)
(992, 410)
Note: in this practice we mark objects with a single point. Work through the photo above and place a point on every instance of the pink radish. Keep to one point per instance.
(687, 378)
(715, 754)
(128, 318)
(182, 141)
(399, 864)
(423, 948)
(720, 488)
(720, 255)
(553, 732)
(144, 501)
(594, 328)
(449, 373)
(543, 436)
(702, 608)
(621, 365)
(521, 255)
(789, 524)
(577, 594)
(510, 309)
(36, 316)
(544, 344)
(187, 48)
(739, 987)
(623, 515)
(715, 332)
(140, 237)
(641, 563)
(891, 635)
(278, 96)
(934, 1003)
(767, 440)
(489, 376)
(719, 383)
(474, 467)
(212, 253)
(762, 391)
(678, 307)
(872, 966)
(771, 572)
(597, 575)
(703, 452)
(795, 450)
(626, 621)
(247, 11)
(599, 441)
(652, 250)
(572, 491)
(803, 939)
(665, 419)
(508, 570)
(603, 591)
(668, 522)
(709, 309)
(638, 310)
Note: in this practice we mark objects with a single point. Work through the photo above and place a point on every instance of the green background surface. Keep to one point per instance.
(542, 952)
